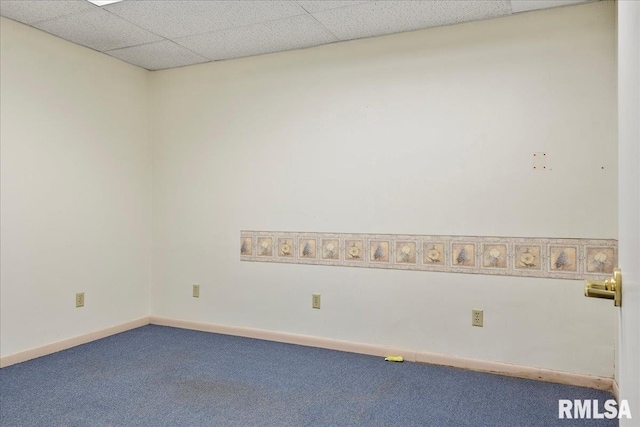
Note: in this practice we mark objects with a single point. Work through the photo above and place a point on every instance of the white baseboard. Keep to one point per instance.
(498, 368)
(33, 353)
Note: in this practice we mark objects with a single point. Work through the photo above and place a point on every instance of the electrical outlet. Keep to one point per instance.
(315, 301)
(80, 299)
(477, 317)
(196, 291)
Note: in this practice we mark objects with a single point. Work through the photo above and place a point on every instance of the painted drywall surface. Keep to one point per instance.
(75, 189)
(430, 132)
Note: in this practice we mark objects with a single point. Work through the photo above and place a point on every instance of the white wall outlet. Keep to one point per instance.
(477, 317)
(196, 291)
(80, 299)
(315, 301)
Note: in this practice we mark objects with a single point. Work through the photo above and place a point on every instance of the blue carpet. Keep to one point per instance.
(160, 376)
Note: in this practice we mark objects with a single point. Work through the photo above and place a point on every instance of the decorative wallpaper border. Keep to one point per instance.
(508, 256)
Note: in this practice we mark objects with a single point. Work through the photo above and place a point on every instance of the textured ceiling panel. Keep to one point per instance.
(386, 17)
(171, 18)
(318, 5)
(158, 56)
(29, 11)
(527, 5)
(98, 30)
(160, 34)
(274, 36)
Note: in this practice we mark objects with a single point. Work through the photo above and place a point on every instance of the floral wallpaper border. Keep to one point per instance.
(508, 256)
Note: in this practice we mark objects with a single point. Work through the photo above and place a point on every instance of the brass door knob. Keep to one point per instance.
(608, 289)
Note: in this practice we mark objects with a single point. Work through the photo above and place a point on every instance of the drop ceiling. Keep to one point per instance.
(161, 34)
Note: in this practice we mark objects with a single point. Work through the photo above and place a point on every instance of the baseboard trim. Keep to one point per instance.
(519, 371)
(55, 347)
(284, 337)
(538, 374)
(498, 368)
(615, 389)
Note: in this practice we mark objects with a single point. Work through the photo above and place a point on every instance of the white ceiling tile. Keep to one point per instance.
(318, 5)
(274, 36)
(526, 5)
(29, 11)
(386, 17)
(98, 30)
(179, 18)
(158, 56)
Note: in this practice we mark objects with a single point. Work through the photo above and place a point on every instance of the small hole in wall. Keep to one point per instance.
(602, 167)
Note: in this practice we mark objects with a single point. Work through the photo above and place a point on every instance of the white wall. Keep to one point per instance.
(430, 132)
(75, 192)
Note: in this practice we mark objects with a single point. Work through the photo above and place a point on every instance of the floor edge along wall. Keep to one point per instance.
(538, 374)
(57, 346)
(573, 259)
